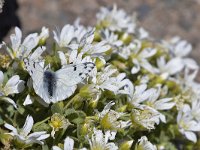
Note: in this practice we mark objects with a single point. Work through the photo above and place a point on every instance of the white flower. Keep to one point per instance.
(104, 75)
(66, 35)
(100, 141)
(82, 47)
(188, 83)
(44, 34)
(187, 125)
(111, 38)
(140, 59)
(21, 49)
(116, 84)
(144, 144)
(145, 117)
(23, 134)
(166, 69)
(109, 118)
(194, 110)
(116, 20)
(105, 80)
(142, 33)
(36, 55)
(181, 48)
(14, 85)
(138, 94)
(68, 144)
(126, 50)
(96, 50)
(73, 57)
(150, 98)
(58, 122)
(71, 36)
(190, 89)
(159, 104)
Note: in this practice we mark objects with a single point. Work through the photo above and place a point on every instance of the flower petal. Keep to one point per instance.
(10, 127)
(1, 77)
(190, 63)
(191, 136)
(12, 81)
(68, 143)
(56, 148)
(28, 100)
(28, 125)
(164, 104)
(174, 62)
(136, 67)
(62, 58)
(10, 101)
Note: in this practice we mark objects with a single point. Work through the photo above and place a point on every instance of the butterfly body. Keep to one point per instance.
(49, 80)
(56, 86)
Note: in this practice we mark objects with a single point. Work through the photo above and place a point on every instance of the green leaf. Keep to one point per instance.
(45, 147)
(69, 111)
(57, 108)
(78, 120)
(41, 127)
(1, 120)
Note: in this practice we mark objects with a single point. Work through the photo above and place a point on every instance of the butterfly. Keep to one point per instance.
(57, 86)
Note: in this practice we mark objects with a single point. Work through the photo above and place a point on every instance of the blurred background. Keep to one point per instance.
(161, 18)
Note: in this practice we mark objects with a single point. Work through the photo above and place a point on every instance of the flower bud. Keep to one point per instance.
(126, 38)
(99, 64)
(126, 145)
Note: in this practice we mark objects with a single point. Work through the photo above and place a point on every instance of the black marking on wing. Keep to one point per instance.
(74, 67)
(88, 66)
(50, 82)
(28, 66)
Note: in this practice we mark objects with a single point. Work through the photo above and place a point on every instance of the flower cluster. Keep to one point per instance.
(106, 87)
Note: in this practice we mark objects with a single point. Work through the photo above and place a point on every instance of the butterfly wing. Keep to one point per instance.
(37, 74)
(62, 91)
(74, 74)
(67, 79)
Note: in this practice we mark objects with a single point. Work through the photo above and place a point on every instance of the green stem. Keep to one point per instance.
(60, 135)
(69, 103)
(38, 123)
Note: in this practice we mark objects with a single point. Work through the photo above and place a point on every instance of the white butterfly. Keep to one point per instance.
(57, 86)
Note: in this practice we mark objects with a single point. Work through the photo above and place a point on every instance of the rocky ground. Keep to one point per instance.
(162, 18)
